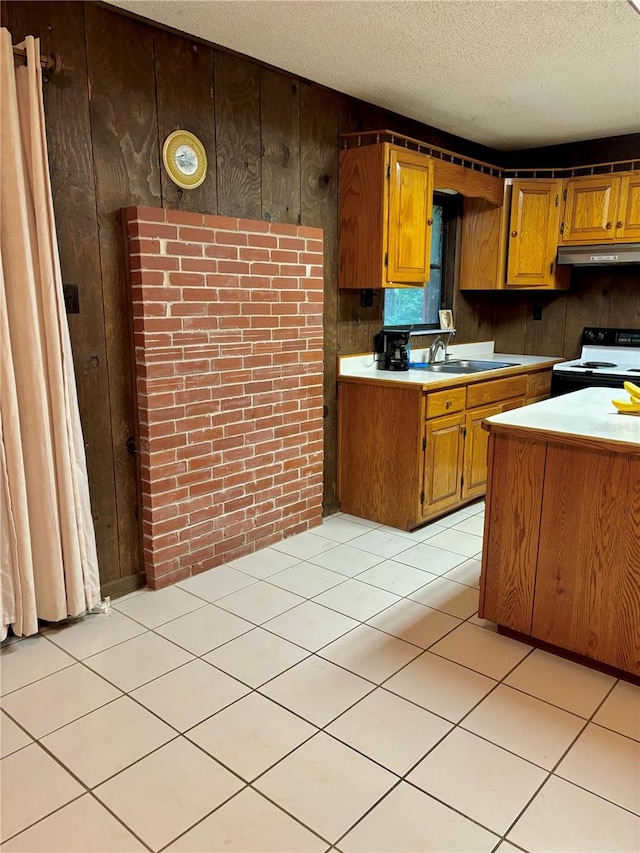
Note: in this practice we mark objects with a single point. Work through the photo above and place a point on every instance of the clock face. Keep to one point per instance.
(184, 159)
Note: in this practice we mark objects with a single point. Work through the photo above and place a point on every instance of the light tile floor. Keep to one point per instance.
(336, 691)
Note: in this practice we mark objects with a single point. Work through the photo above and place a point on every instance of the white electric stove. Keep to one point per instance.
(608, 358)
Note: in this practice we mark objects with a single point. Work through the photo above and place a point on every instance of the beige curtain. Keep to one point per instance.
(47, 543)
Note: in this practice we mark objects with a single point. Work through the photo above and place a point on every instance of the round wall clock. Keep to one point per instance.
(184, 159)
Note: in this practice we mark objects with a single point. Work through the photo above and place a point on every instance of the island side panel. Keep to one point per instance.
(379, 452)
(588, 583)
(513, 508)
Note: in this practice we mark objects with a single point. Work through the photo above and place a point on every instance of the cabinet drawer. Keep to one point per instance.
(445, 402)
(483, 393)
(539, 384)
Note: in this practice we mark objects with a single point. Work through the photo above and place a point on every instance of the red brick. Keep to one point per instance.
(311, 233)
(286, 257)
(263, 240)
(171, 577)
(284, 228)
(229, 223)
(196, 235)
(221, 252)
(295, 243)
(205, 265)
(253, 225)
(151, 229)
(161, 262)
(184, 217)
(234, 267)
(145, 277)
(231, 238)
(207, 564)
(214, 280)
(260, 268)
(252, 254)
(286, 283)
(144, 246)
(187, 279)
(181, 248)
(188, 309)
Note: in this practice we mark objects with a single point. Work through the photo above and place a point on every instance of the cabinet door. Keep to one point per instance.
(533, 234)
(628, 220)
(590, 209)
(410, 220)
(476, 441)
(443, 463)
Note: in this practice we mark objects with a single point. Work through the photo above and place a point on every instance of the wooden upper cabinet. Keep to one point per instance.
(602, 209)
(590, 209)
(628, 219)
(513, 245)
(410, 177)
(533, 234)
(384, 230)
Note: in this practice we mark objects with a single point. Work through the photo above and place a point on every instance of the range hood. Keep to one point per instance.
(599, 256)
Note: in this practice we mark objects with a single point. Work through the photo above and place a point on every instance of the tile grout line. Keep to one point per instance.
(374, 687)
(551, 773)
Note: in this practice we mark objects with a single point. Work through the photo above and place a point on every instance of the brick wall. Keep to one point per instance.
(228, 342)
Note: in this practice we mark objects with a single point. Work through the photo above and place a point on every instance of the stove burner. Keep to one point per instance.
(596, 364)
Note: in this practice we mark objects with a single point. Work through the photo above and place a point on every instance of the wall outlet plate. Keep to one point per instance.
(366, 297)
(71, 298)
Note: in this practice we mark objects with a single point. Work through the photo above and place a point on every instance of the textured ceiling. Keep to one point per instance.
(505, 73)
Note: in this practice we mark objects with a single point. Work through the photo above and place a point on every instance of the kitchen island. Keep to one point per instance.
(561, 556)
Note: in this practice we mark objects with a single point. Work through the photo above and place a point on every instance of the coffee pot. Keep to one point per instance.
(391, 349)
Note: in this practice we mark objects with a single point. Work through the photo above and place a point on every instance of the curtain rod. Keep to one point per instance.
(52, 63)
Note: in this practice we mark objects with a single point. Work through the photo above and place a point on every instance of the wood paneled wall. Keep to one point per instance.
(609, 296)
(272, 142)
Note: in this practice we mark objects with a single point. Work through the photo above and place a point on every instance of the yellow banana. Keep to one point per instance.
(633, 391)
(627, 407)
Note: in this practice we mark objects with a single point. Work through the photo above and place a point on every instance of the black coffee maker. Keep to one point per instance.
(392, 349)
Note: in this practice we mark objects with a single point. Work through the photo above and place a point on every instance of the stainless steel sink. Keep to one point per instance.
(476, 364)
(466, 365)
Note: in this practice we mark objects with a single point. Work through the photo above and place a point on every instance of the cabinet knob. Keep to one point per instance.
(619, 224)
(514, 233)
(447, 405)
(429, 221)
(608, 225)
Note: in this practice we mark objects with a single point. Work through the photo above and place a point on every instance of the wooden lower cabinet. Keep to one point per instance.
(475, 457)
(406, 456)
(561, 557)
(444, 448)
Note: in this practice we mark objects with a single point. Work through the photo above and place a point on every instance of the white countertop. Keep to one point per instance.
(588, 413)
(364, 366)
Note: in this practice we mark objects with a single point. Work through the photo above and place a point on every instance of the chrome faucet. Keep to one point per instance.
(438, 344)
